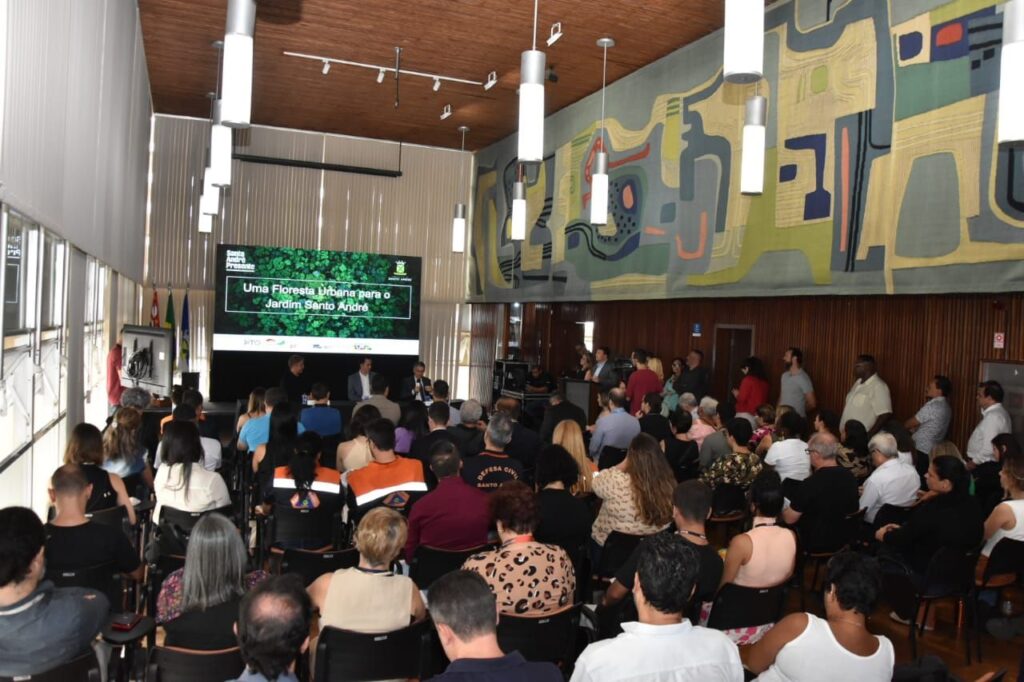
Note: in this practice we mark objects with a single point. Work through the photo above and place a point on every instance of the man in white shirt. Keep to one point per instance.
(663, 646)
(994, 421)
(211, 447)
(796, 389)
(892, 482)
(868, 401)
(930, 424)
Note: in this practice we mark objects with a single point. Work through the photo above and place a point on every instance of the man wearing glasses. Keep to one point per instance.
(820, 504)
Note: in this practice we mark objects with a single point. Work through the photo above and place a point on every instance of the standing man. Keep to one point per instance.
(292, 382)
(994, 421)
(930, 424)
(642, 381)
(417, 387)
(796, 390)
(603, 372)
(868, 401)
(696, 378)
(114, 387)
(359, 383)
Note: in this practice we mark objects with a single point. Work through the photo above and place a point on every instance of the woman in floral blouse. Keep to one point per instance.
(636, 493)
(742, 466)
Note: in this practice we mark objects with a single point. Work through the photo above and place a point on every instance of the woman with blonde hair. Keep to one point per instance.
(123, 451)
(85, 448)
(654, 364)
(370, 597)
(636, 493)
(569, 435)
(256, 408)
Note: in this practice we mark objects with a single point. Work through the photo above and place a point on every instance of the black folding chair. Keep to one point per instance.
(345, 656)
(736, 606)
(550, 637)
(84, 668)
(728, 512)
(1004, 566)
(315, 528)
(950, 575)
(617, 548)
(845, 533)
(312, 565)
(170, 664)
(430, 563)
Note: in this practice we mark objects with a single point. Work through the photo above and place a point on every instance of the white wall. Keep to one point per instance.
(76, 119)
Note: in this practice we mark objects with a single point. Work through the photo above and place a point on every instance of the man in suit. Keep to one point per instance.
(604, 373)
(558, 411)
(417, 387)
(359, 383)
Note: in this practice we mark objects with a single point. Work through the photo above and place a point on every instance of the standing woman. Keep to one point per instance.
(670, 398)
(753, 390)
(586, 368)
(256, 407)
(123, 451)
(85, 448)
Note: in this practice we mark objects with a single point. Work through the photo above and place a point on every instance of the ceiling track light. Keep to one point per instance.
(327, 68)
(1011, 63)
(599, 177)
(396, 69)
(492, 80)
(556, 33)
(459, 218)
(446, 111)
(437, 84)
(380, 76)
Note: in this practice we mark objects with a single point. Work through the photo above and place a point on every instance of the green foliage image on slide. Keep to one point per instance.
(295, 292)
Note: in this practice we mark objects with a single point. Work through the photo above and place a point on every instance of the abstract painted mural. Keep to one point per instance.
(882, 175)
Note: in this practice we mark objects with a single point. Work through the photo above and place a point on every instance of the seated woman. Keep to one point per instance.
(124, 454)
(764, 425)
(742, 466)
(303, 485)
(768, 440)
(527, 577)
(1007, 519)
(682, 454)
(283, 430)
(805, 648)
(85, 448)
(946, 516)
(354, 453)
(788, 453)
(370, 597)
(198, 604)
(256, 407)
(764, 556)
(854, 454)
(827, 421)
(636, 492)
(569, 435)
(181, 482)
(988, 485)
(564, 519)
(412, 426)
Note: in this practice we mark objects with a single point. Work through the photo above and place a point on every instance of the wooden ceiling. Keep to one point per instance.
(462, 38)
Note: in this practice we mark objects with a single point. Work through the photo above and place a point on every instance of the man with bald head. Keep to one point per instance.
(820, 504)
(614, 430)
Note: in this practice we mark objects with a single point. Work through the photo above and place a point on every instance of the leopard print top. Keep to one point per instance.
(527, 578)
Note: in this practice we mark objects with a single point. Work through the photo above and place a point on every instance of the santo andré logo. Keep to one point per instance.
(400, 268)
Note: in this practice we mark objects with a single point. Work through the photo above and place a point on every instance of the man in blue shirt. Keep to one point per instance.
(465, 615)
(320, 417)
(614, 430)
(256, 431)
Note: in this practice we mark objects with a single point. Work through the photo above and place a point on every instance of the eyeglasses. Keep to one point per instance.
(808, 451)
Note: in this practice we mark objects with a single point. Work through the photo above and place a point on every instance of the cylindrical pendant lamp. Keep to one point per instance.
(743, 61)
(1011, 70)
(752, 165)
(518, 211)
(531, 107)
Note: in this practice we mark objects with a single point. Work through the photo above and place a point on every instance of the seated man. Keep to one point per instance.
(437, 422)
(616, 430)
(72, 540)
(716, 445)
(651, 419)
(417, 387)
(212, 454)
(468, 434)
(359, 383)
(492, 466)
(41, 626)
(525, 443)
(441, 395)
(560, 410)
(389, 409)
(892, 482)
(454, 516)
(820, 504)
(465, 614)
(273, 629)
(389, 480)
(319, 417)
(664, 644)
(691, 507)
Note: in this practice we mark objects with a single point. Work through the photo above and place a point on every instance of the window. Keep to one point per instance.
(96, 346)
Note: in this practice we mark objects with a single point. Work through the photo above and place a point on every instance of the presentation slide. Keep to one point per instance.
(308, 301)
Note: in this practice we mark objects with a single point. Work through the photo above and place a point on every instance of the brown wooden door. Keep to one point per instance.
(733, 345)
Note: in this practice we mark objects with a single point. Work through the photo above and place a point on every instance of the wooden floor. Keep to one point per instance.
(944, 641)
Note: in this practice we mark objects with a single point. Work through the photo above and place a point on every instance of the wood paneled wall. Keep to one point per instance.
(912, 338)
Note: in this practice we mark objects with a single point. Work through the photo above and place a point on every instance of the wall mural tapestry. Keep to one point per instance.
(883, 174)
